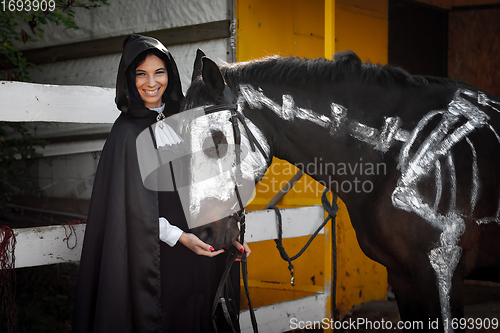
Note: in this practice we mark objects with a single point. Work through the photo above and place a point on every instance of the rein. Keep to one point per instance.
(331, 209)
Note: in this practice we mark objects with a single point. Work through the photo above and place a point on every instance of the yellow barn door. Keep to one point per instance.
(298, 28)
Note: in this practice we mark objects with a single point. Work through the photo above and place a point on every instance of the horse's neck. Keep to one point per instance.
(319, 138)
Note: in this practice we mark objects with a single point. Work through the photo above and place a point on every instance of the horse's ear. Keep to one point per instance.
(213, 78)
(197, 64)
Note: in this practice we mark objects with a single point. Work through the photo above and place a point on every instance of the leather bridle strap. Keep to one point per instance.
(234, 113)
(224, 285)
(221, 296)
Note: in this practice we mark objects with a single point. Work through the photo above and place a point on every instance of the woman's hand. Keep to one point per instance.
(243, 248)
(192, 242)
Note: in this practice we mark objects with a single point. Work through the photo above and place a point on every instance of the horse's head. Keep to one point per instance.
(222, 167)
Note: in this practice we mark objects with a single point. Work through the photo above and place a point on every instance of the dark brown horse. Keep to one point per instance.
(415, 159)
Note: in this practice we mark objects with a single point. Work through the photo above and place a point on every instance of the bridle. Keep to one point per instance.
(224, 295)
(224, 291)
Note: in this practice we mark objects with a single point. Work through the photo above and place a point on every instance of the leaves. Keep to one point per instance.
(17, 147)
(16, 152)
(11, 31)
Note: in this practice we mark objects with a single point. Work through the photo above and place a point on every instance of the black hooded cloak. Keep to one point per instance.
(129, 280)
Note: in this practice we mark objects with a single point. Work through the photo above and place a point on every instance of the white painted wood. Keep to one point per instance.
(21, 101)
(301, 221)
(47, 245)
(44, 130)
(67, 148)
(277, 317)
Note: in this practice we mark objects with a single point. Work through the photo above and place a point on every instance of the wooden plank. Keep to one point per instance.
(475, 4)
(20, 101)
(280, 317)
(75, 147)
(112, 45)
(47, 245)
(284, 286)
(261, 225)
(477, 64)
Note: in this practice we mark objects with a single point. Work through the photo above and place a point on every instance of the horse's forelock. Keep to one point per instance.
(196, 95)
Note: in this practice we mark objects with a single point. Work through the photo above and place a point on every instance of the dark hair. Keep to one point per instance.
(135, 98)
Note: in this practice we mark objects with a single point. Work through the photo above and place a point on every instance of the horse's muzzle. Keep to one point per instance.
(220, 234)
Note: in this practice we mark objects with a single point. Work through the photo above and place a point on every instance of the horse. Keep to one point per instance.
(414, 158)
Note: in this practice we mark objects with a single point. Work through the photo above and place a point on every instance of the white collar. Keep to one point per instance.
(158, 109)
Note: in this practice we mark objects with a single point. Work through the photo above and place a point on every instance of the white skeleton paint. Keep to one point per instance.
(445, 257)
(213, 179)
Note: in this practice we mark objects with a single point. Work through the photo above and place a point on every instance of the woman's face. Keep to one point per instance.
(151, 80)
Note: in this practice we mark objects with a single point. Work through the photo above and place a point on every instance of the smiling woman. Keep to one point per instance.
(151, 80)
(142, 269)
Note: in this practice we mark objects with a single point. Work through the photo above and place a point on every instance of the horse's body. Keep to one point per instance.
(414, 159)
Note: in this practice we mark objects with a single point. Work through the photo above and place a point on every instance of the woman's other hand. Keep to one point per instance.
(196, 245)
(242, 248)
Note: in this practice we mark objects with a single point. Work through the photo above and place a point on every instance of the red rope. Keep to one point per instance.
(8, 276)
(70, 227)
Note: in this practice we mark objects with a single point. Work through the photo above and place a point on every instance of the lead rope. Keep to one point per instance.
(8, 277)
(221, 296)
(244, 267)
(331, 209)
(244, 272)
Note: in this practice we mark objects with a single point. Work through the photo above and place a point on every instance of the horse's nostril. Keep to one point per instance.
(204, 233)
(208, 233)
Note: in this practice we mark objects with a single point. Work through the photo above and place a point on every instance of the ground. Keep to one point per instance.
(45, 298)
(482, 300)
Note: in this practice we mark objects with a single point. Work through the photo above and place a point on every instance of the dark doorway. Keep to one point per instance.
(418, 38)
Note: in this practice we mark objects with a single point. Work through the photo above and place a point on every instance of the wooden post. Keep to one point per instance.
(329, 51)
(329, 28)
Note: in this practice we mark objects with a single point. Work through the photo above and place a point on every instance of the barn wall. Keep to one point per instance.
(298, 28)
(474, 48)
(101, 71)
(123, 17)
(283, 27)
(64, 175)
(120, 18)
(362, 27)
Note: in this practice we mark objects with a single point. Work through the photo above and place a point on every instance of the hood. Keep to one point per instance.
(133, 46)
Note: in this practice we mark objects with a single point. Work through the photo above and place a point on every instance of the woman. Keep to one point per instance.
(129, 280)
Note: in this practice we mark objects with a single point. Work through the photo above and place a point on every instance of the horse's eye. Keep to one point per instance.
(215, 146)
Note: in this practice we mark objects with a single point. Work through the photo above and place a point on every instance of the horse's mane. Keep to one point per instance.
(290, 69)
(283, 70)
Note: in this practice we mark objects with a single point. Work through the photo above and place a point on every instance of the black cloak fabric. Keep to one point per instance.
(129, 280)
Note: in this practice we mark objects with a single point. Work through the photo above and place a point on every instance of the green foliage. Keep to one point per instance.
(14, 18)
(14, 154)
(12, 33)
(45, 299)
